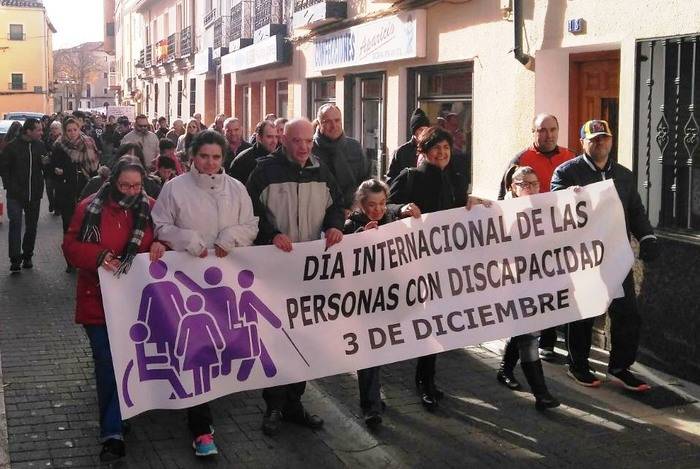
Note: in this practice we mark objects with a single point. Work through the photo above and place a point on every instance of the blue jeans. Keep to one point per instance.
(107, 397)
(22, 248)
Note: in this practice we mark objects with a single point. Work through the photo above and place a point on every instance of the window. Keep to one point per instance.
(88, 104)
(105, 91)
(667, 150)
(193, 96)
(17, 82)
(321, 91)
(16, 32)
(109, 29)
(88, 91)
(282, 98)
(167, 100)
(441, 92)
(105, 75)
(148, 97)
(70, 105)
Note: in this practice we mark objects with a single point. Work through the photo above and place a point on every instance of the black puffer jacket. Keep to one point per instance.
(245, 162)
(347, 162)
(22, 170)
(357, 220)
(430, 188)
(581, 171)
(406, 156)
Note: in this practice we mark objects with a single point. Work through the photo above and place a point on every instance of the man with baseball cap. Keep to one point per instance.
(595, 165)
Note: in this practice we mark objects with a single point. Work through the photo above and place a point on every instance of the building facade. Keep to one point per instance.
(82, 77)
(493, 64)
(26, 63)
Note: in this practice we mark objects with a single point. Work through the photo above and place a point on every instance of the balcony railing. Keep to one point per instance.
(218, 32)
(267, 12)
(161, 51)
(186, 41)
(209, 17)
(16, 86)
(148, 56)
(304, 4)
(142, 58)
(172, 47)
(235, 25)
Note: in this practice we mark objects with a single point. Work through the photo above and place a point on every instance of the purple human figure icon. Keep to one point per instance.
(161, 309)
(198, 343)
(220, 302)
(249, 307)
(139, 333)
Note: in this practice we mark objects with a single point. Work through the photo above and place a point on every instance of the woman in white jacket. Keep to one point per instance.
(200, 211)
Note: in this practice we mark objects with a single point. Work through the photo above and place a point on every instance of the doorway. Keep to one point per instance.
(594, 93)
(365, 117)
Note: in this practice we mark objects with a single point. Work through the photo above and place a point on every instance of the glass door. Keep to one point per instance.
(369, 122)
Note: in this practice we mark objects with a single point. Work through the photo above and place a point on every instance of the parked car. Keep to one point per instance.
(4, 127)
(22, 115)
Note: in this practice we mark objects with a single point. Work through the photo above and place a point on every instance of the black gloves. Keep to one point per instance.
(649, 249)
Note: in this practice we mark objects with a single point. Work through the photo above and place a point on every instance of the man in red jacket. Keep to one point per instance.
(543, 156)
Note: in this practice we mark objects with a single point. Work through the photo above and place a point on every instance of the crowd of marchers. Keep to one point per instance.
(124, 188)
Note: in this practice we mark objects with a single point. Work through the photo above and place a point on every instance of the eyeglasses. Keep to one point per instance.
(527, 185)
(125, 187)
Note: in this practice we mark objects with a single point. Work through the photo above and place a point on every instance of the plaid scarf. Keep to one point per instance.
(90, 229)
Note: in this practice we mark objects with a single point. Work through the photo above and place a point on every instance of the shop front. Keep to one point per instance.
(258, 74)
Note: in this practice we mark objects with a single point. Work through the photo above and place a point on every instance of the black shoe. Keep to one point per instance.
(546, 401)
(112, 450)
(27, 263)
(535, 378)
(15, 267)
(272, 423)
(304, 419)
(584, 377)
(429, 401)
(508, 380)
(627, 380)
(373, 419)
(437, 393)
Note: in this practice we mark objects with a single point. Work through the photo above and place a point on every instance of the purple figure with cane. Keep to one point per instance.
(160, 310)
(220, 302)
(249, 307)
(199, 343)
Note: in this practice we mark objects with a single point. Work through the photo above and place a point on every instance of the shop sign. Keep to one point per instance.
(269, 51)
(203, 61)
(397, 37)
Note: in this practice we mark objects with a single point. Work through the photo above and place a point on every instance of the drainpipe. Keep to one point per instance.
(520, 56)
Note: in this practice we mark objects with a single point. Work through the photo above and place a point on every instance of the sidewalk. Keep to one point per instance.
(51, 406)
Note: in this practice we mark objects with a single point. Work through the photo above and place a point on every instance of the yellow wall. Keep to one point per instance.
(31, 57)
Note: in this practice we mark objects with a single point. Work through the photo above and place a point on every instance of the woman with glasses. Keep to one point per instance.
(521, 181)
(108, 229)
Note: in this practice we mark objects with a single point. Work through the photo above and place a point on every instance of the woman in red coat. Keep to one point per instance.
(108, 230)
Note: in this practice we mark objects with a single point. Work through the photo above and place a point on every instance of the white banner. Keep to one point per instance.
(185, 330)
